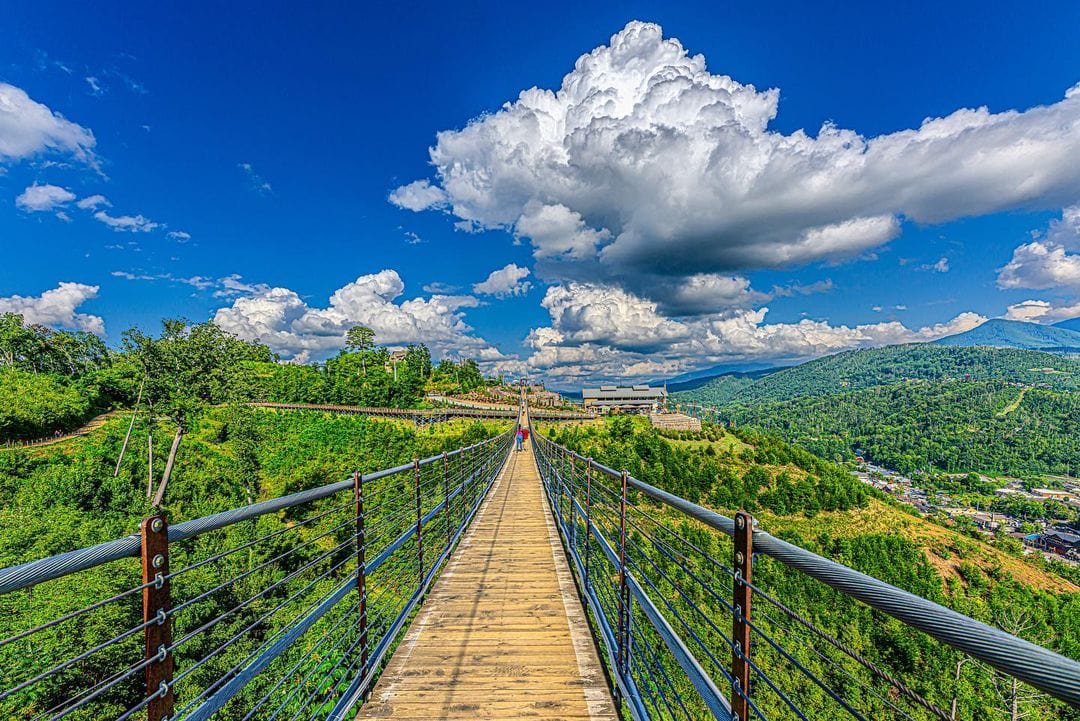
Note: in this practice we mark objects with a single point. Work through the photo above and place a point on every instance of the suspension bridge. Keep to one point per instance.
(482, 583)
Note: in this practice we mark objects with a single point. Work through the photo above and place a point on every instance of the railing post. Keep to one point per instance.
(446, 499)
(361, 568)
(573, 515)
(468, 486)
(461, 495)
(419, 520)
(588, 519)
(156, 605)
(623, 658)
(740, 629)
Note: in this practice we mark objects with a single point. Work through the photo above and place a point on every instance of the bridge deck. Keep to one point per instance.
(503, 634)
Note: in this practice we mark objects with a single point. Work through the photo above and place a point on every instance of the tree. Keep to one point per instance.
(360, 339)
(187, 368)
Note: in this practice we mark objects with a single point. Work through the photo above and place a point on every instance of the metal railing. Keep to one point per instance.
(425, 416)
(284, 609)
(689, 633)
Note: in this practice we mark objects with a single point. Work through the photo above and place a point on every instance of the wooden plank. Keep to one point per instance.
(502, 634)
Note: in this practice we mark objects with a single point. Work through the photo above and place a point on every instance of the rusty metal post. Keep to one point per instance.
(446, 501)
(419, 520)
(156, 605)
(361, 567)
(623, 659)
(740, 629)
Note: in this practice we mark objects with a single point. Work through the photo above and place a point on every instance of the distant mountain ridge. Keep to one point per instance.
(1070, 324)
(1001, 333)
(857, 369)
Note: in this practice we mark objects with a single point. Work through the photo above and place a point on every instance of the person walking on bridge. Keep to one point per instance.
(524, 434)
(519, 438)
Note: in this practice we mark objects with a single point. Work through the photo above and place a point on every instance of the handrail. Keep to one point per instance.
(32, 573)
(353, 574)
(1046, 670)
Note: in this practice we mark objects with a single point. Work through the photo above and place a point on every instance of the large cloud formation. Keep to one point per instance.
(280, 318)
(645, 164)
(601, 331)
(648, 186)
(57, 307)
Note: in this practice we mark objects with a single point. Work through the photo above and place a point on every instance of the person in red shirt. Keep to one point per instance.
(525, 434)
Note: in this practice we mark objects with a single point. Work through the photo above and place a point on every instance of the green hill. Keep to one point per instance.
(993, 427)
(858, 369)
(1001, 333)
(817, 505)
(1072, 324)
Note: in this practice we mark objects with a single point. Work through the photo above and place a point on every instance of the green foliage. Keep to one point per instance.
(58, 499)
(38, 349)
(190, 366)
(752, 471)
(34, 405)
(450, 377)
(756, 469)
(858, 369)
(953, 426)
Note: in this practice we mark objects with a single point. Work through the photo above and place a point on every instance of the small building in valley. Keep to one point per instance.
(1062, 543)
(640, 399)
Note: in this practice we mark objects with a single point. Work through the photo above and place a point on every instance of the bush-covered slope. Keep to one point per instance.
(993, 583)
(950, 425)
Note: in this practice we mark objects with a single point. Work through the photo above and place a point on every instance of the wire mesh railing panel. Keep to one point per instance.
(286, 609)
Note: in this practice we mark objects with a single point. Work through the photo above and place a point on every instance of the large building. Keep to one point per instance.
(624, 399)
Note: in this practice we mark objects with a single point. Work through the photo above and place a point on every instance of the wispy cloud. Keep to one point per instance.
(258, 183)
(126, 223)
(229, 286)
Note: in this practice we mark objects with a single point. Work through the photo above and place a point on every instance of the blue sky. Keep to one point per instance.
(249, 156)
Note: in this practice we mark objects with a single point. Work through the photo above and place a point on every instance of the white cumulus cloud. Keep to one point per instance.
(505, 282)
(418, 195)
(39, 198)
(644, 165)
(605, 332)
(57, 307)
(1047, 262)
(280, 318)
(28, 128)
(1042, 311)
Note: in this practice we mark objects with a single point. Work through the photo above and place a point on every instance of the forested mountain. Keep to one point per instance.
(948, 425)
(1002, 333)
(854, 370)
(1072, 324)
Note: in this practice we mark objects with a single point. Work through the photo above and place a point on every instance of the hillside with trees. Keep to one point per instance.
(954, 426)
(53, 381)
(858, 369)
(817, 505)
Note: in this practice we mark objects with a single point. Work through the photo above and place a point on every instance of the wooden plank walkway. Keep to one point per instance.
(502, 634)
